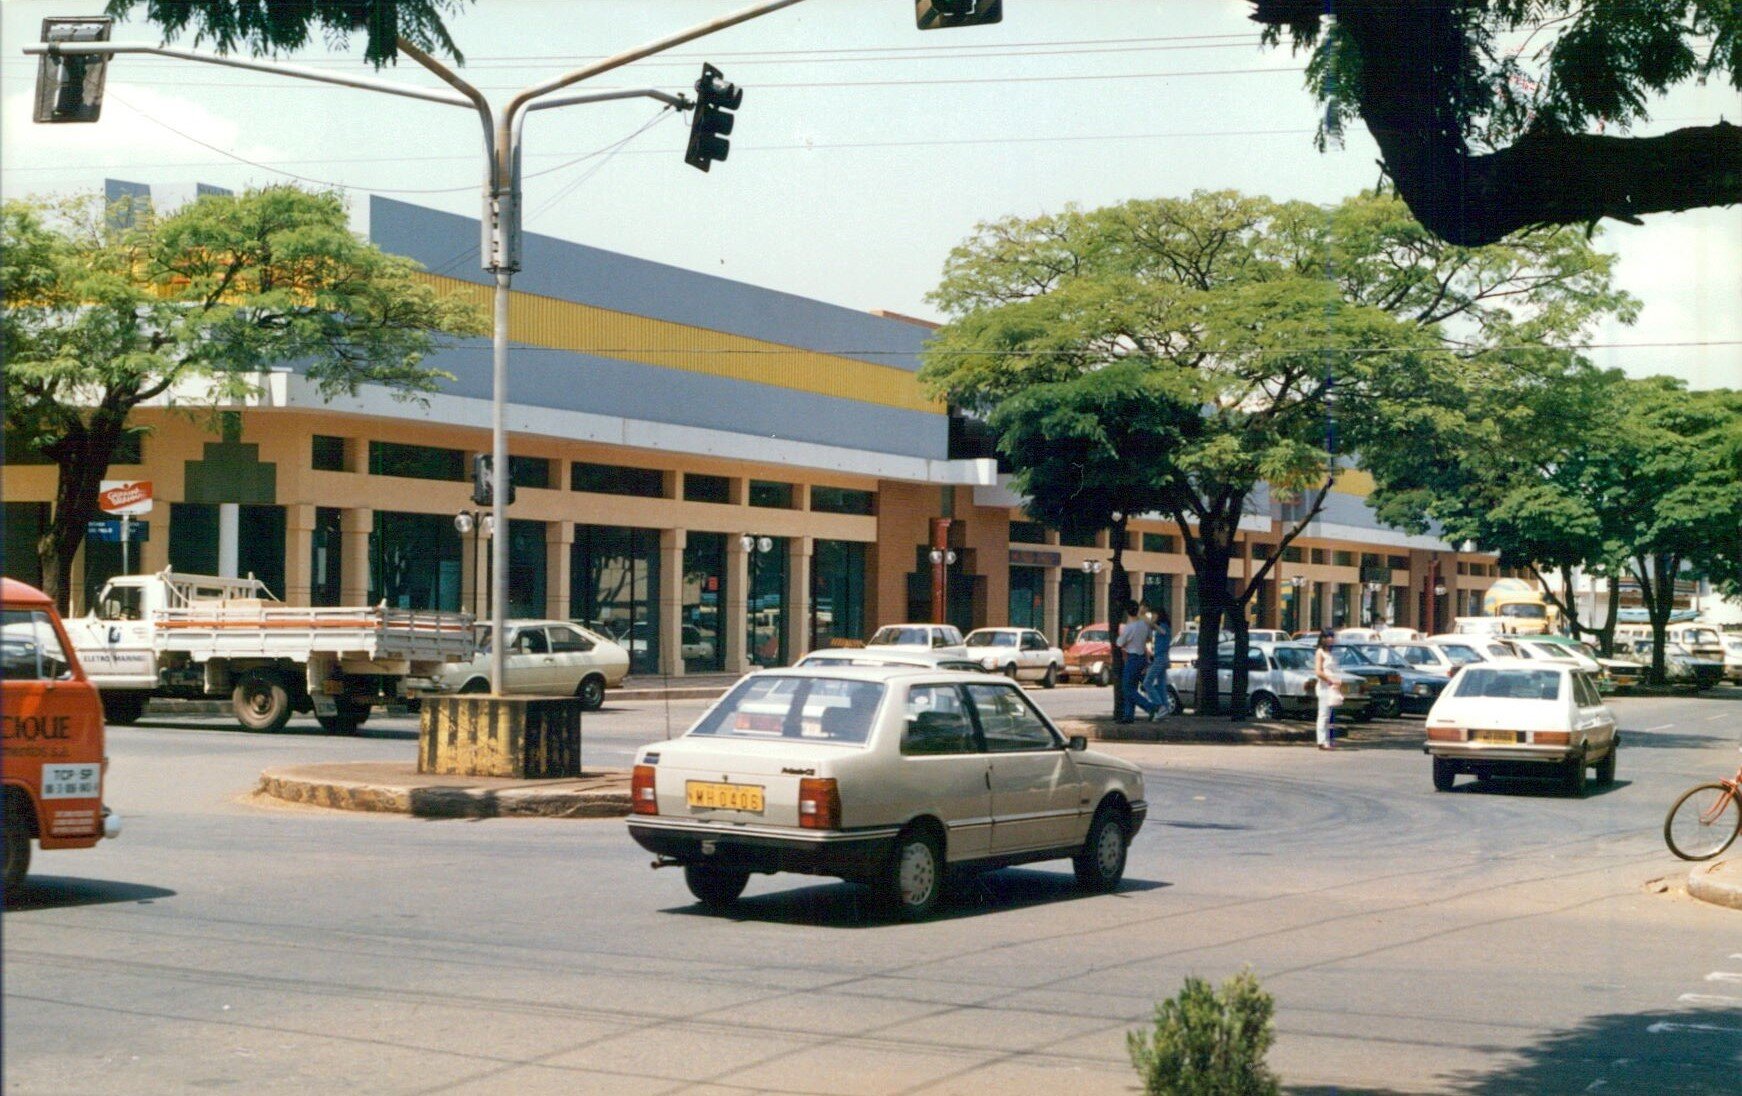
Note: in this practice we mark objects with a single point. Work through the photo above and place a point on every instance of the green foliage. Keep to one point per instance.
(270, 26)
(1208, 1042)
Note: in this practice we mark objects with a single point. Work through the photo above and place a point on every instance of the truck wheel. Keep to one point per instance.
(350, 716)
(17, 845)
(261, 702)
(123, 708)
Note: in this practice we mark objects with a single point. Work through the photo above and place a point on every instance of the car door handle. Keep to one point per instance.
(988, 775)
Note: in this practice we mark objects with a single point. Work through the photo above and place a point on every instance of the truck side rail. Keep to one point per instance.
(280, 631)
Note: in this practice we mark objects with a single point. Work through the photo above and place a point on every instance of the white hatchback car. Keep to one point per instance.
(1021, 654)
(886, 776)
(545, 658)
(1520, 717)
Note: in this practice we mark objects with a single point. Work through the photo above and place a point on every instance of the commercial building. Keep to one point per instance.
(722, 475)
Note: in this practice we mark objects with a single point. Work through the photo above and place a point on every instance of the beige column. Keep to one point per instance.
(671, 588)
(798, 595)
(1177, 611)
(474, 550)
(735, 610)
(154, 553)
(1103, 584)
(355, 527)
(299, 562)
(559, 538)
(1049, 605)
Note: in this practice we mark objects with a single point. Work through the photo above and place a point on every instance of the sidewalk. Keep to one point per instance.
(1719, 882)
(397, 787)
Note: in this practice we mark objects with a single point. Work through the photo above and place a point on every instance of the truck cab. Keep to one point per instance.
(51, 736)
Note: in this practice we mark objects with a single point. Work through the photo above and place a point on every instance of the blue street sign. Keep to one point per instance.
(109, 532)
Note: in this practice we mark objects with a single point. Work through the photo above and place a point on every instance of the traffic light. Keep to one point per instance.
(70, 89)
(943, 14)
(484, 481)
(712, 124)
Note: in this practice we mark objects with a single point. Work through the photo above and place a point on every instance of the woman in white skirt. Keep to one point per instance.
(1330, 692)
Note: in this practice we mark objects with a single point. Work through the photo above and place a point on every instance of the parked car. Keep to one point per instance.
(1443, 659)
(1733, 656)
(1021, 654)
(1384, 683)
(1090, 657)
(1267, 635)
(924, 637)
(1280, 683)
(1400, 635)
(1419, 688)
(1522, 717)
(1610, 673)
(1680, 665)
(545, 658)
(886, 776)
(890, 656)
(1485, 647)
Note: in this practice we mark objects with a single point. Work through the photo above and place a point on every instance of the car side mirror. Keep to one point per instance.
(1077, 742)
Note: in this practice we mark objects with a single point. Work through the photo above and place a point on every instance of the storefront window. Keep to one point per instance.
(25, 524)
(526, 558)
(1076, 604)
(837, 592)
(326, 557)
(193, 543)
(765, 611)
(414, 561)
(1028, 597)
(704, 591)
(614, 588)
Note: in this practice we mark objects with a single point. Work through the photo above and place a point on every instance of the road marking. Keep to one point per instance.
(1664, 1028)
(1715, 718)
(1709, 999)
(1723, 976)
(1661, 727)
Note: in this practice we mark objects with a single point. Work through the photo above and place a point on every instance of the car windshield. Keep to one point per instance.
(1419, 655)
(906, 637)
(807, 709)
(1348, 655)
(991, 639)
(1460, 654)
(1092, 635)
(1509, 684)
(1524, 611)
(1382, 656)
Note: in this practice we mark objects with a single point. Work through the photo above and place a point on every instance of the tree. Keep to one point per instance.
(1171, 356)
(269, 26)
(101, 318)
(1483, 140)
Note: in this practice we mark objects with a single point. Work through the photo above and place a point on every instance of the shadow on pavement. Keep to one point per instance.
(52, 892)
(848, 906)
(1638, 738)
(1690, 1050)
(297, 729)
(1536, 786)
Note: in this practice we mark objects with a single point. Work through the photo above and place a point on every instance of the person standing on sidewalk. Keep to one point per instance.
(1133, 639)
(1152, 694)
(1329, 690)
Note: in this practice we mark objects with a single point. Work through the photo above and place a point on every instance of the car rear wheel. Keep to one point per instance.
(1052, 676)
(1574, 778)
(1101, 864)
(261, 702)
(591, 692)
(914, 879)
(1173, 704)
(1445, 774)
(1266, 708)
(1606, 767)
(714, 886)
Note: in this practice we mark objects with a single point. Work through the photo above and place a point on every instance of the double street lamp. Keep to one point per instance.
(481, 524)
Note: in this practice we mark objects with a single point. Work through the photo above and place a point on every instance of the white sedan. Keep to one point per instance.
(889, 776)
(1021, 654)
(545, 658)
(1522, 717)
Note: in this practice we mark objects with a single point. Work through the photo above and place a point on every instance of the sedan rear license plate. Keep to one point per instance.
(729, 797)
(1508, 738)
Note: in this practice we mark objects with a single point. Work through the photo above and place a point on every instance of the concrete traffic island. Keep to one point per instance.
(1191, 729)
(397, 787)
(1719, 883)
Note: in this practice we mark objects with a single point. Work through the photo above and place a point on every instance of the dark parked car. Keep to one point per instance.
(1384, 683)
(1420, 688)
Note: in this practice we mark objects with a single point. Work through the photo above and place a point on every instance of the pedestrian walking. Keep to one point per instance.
(1152, 694)
(1330, 690)
(1133, 639)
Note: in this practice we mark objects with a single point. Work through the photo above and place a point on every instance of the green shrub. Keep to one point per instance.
(1208, 1042)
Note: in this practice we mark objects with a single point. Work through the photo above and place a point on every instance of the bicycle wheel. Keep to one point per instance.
(1703, 822)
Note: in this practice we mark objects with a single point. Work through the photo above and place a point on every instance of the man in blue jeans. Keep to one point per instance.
(1134, 641)
(1152, 693)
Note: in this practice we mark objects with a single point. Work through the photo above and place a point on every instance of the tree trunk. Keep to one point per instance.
(82, 458)
(1606, 634)
(1118, 593)
(1239, 677)
(1656, 575)
(1217, 545)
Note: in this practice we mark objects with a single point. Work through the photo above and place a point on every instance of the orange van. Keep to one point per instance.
(51, 735)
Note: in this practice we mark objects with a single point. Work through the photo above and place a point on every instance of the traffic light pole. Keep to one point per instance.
(501, 221)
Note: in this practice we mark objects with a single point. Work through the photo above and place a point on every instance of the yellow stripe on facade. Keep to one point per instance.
(564, 325)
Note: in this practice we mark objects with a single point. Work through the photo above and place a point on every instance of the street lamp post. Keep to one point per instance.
(480, 525)
(1296, 581)
(754, 548)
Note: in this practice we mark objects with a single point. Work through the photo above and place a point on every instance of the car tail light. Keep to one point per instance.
(1445, 734)
(1551, 738)
(643, 799)
(819, 803)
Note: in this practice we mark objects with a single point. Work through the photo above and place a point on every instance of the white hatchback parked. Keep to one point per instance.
(1522, 717)
(888, 776)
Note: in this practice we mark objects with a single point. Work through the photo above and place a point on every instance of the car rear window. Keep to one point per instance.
(1092, 635)
(1508, 684)
(991, 639)
(912, 637)
(809, 709)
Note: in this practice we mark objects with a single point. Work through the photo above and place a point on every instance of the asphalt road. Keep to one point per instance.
(1498, 939)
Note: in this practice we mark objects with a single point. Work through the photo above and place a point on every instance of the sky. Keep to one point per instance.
(863, 152)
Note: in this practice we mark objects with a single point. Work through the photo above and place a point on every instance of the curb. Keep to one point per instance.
(608, 798)
(1187, 735)
(1719, 883)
